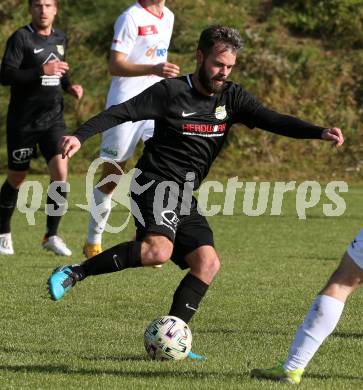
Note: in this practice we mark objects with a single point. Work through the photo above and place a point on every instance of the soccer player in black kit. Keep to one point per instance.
(193, 115)
(35, 68)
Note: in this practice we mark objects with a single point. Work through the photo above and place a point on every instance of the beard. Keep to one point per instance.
(208, 82)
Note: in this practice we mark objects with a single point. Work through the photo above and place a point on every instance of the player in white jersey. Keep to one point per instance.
(138, 59)
(322, 318)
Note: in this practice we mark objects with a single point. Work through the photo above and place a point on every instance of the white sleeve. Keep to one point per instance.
(125, 34)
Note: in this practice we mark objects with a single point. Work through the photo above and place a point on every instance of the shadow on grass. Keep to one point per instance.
(226, 331)
(218, 331)
(334, 377)
(344, 335)
(63, 369)
(123, 358)
(168, 373)
(89, 357)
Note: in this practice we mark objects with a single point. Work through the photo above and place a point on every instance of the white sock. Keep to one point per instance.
(319, 323)
(95, 229)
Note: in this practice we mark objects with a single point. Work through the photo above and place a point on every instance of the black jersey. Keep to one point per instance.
(36, 100)
(190, 128)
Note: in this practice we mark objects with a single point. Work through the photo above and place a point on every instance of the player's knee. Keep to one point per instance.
(162, 255)
(16, 179)
(157, 252)
(210, 265)
(58, 168)
(108, 187)
(345, 280)
(214, 265)
(159, 255)
(111, 174)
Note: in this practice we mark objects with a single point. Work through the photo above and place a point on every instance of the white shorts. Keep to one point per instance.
(355, 249)
(119, 142)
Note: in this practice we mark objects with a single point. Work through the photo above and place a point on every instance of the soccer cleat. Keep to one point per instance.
(90, 250)
(61, 281)
(6, 244)
(195, 356)
(56, 245)
(278, 373)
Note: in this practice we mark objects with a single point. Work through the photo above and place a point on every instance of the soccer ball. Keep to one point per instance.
(168, 338)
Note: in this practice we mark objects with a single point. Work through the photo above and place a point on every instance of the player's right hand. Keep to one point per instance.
(166, 70)
(55, 68)
(69, 145)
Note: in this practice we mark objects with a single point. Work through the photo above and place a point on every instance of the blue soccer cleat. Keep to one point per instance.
(61, 281)
(195, 356)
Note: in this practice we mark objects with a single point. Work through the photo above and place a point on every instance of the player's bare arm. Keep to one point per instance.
(119, 66)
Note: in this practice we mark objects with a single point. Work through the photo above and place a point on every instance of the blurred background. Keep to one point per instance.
(303, 58)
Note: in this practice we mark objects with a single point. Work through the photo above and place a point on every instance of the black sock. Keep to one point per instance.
(187, 297)
(117, 258)
(8, 199)
(58, 207)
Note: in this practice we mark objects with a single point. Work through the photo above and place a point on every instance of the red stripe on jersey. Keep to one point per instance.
(148, 30)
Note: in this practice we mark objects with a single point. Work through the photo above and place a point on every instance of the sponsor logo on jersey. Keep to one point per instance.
(148, 30)
(109, 152)
(22, 155)
(60, 49)
(50, 81)
(157, 51)
(221, 112)
(185, 114)
(204, 129)
(37, 51)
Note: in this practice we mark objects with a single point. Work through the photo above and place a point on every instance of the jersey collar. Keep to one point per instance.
(32, 29)
(189, 79)
(151, 12)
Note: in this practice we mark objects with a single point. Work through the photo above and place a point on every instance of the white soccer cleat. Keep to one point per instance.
(6, 244)
(56, 245)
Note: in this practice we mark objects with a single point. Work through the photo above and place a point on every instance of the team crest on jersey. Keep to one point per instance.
(221, 112)
(60, 49)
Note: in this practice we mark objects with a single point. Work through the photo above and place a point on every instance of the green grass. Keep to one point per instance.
(271, 269)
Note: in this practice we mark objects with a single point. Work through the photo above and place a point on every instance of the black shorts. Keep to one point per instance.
(152, 215)
(22, 145)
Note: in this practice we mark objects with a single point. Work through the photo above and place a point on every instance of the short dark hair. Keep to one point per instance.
(214, 34)
(31, 2)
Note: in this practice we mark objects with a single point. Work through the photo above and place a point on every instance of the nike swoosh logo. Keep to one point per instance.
(184, 114)
(36, 51)
(190, 307)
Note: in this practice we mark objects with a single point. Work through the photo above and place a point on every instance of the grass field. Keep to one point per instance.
(271, 269)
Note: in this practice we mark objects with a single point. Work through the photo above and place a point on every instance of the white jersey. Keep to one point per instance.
(144, 37)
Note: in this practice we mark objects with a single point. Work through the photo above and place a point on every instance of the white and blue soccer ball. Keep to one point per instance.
(167, 338)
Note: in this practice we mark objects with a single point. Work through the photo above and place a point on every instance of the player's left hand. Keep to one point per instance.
(333, 134)
(76, 90)
(69, 145)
